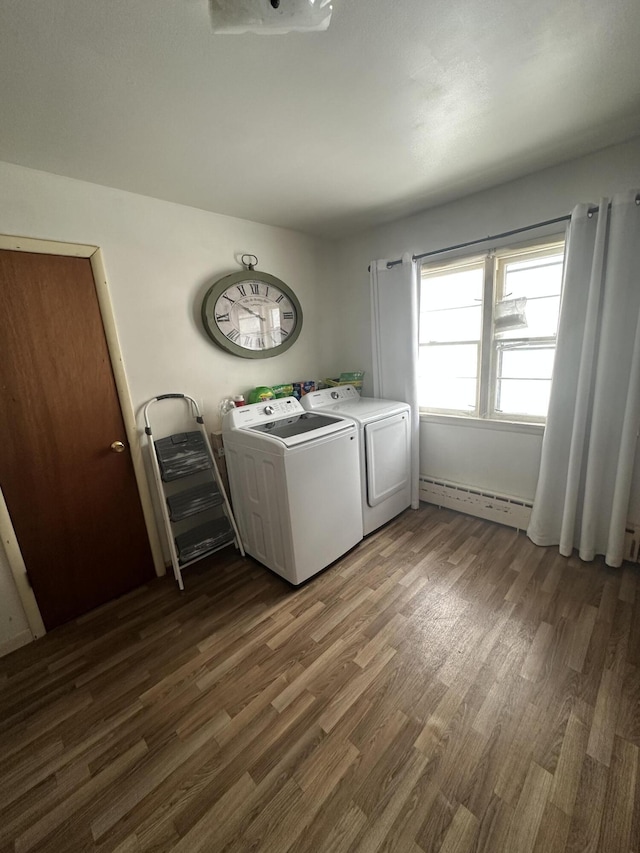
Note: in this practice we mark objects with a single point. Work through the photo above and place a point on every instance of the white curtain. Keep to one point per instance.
(394, 323)
(589, 444)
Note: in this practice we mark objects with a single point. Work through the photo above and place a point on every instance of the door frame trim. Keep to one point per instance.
(7, 533)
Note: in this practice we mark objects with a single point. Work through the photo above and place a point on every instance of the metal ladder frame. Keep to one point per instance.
(237, 541)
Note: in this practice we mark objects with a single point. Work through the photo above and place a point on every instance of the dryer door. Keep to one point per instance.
(388, 457)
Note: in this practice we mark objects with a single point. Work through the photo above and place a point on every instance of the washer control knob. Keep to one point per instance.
(268, 410)
(335, 395)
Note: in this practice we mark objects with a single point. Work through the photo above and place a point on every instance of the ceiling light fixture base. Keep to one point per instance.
(269, 17)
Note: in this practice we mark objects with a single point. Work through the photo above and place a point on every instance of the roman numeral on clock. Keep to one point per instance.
(255, 287)
(242, 289)
(233, 335)
(280, 298)
(223, 318)
(287, 315)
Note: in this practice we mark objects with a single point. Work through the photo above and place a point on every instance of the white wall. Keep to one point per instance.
(496, 461)
(160, 259)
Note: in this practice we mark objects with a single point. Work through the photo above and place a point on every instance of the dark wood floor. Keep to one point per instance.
(448, 686)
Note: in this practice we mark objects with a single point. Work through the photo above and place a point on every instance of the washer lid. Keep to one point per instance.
(301, 429)
(351, 405)
(366, 409)
(283, 422)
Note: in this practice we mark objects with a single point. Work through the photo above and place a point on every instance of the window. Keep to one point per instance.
(488, 333)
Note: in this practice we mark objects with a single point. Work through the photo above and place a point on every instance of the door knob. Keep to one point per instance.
(117, 447)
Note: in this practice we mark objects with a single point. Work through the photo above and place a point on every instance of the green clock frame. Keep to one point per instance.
(243, 279)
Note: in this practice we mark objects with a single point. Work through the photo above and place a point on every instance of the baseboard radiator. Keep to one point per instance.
(505, 509)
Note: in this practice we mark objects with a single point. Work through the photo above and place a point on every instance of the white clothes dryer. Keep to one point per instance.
(384, 431)
(295, 484)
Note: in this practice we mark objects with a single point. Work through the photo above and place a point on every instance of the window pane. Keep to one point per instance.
(538, 277)
(540, 281)
(454, 289)
(523, 397)
(526, 363)
(454, 324)
(447, 377)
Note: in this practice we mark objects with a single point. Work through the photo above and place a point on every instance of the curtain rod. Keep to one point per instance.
(565, 218)
(483, 240)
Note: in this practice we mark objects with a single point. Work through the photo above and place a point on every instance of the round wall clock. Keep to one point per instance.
(252, 314)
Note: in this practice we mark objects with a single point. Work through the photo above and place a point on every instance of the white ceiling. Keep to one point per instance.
(401, 105)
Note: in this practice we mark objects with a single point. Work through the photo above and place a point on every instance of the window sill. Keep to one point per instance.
(482, 423)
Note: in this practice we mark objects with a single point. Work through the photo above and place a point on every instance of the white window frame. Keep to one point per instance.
(493, 261)
(469, 262)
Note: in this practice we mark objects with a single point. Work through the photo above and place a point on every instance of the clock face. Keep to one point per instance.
(251, 314)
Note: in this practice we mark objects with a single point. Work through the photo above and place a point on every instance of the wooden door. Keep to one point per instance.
(73, 501)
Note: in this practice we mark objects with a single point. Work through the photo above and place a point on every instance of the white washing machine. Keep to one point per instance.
(384, 432)
(295, 484)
